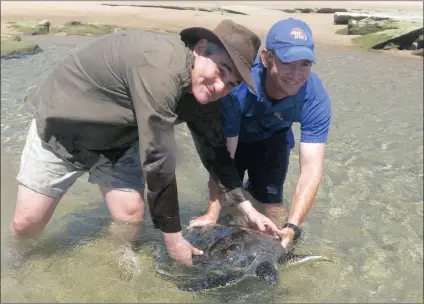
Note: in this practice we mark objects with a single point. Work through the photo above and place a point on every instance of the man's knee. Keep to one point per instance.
(126, 206)
(26, 225)
(32, 213)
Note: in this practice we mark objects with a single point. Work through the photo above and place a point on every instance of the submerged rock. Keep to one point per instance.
(12, 37)
(14, 46)
(30, 27)
(84, 29)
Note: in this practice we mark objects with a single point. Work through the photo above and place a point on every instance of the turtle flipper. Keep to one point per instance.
(210, 281)
(291, 259)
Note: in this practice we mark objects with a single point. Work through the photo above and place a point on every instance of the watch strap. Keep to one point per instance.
(296, 230)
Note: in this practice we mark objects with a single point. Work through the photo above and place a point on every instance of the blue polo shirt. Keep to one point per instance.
(253, 118)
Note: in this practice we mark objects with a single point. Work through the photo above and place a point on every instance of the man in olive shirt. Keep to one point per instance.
(110, 109)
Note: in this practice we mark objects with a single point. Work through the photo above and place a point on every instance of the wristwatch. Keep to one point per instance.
(296, 230)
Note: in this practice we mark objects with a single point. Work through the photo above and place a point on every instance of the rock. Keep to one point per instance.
(30, 27)
(414, 46)
(403, 38)
(84, 29)
(296, 10)
(419, 42)
(289, 11)
(343, 17)
(369, 25)
(10, 37)
(305, 10)
(14, 46)
(72, 22)
(326, 10)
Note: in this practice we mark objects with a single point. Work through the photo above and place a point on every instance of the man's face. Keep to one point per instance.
(286, 77)
(213, 75)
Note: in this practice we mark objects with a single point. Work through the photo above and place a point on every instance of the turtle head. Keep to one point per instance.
(266, 271)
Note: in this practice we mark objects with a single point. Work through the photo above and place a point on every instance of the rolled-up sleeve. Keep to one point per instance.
(154, 93)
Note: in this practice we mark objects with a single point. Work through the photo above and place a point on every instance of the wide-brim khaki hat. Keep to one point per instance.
(241, 44)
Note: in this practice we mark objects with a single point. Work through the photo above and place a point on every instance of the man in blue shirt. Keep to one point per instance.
(258, 127)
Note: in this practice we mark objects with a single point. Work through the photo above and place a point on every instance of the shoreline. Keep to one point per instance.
(259, 16)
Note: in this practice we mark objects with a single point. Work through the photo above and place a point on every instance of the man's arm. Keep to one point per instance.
(231, 147)
(315, 124)
(311, 169)
(214, 206)
(230, 116)
(211, 146)
(154, 93)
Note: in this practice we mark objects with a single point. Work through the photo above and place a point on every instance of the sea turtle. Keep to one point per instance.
(230, 253)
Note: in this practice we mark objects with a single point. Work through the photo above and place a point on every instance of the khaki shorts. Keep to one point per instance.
(45, 172)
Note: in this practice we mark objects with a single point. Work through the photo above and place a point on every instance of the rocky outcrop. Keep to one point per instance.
(344, 17)
(327, 10)
(84, 29)
(402, 38)
(419, 42)
(14, 46)
(30, 27)
(382, 32)
(369, 25)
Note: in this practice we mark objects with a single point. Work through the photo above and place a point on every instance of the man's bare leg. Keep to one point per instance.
(127, 211)
(32, 213)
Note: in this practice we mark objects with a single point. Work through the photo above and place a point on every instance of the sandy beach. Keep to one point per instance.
(260, 15)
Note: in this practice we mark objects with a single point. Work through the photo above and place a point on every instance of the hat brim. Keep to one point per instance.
(293, 53)
(194, 34)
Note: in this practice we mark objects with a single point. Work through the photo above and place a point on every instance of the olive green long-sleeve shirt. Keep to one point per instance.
(126, 87)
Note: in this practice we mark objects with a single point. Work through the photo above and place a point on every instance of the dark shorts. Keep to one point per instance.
(266, 163)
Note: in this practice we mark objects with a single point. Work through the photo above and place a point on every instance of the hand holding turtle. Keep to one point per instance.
(179, 249)
(256, 219)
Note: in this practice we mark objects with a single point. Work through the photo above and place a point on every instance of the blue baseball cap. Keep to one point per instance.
(291, 39)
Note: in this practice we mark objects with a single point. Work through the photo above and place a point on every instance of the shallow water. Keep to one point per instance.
(368, 216)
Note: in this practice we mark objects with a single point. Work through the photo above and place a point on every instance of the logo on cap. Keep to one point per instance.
(298, 34)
